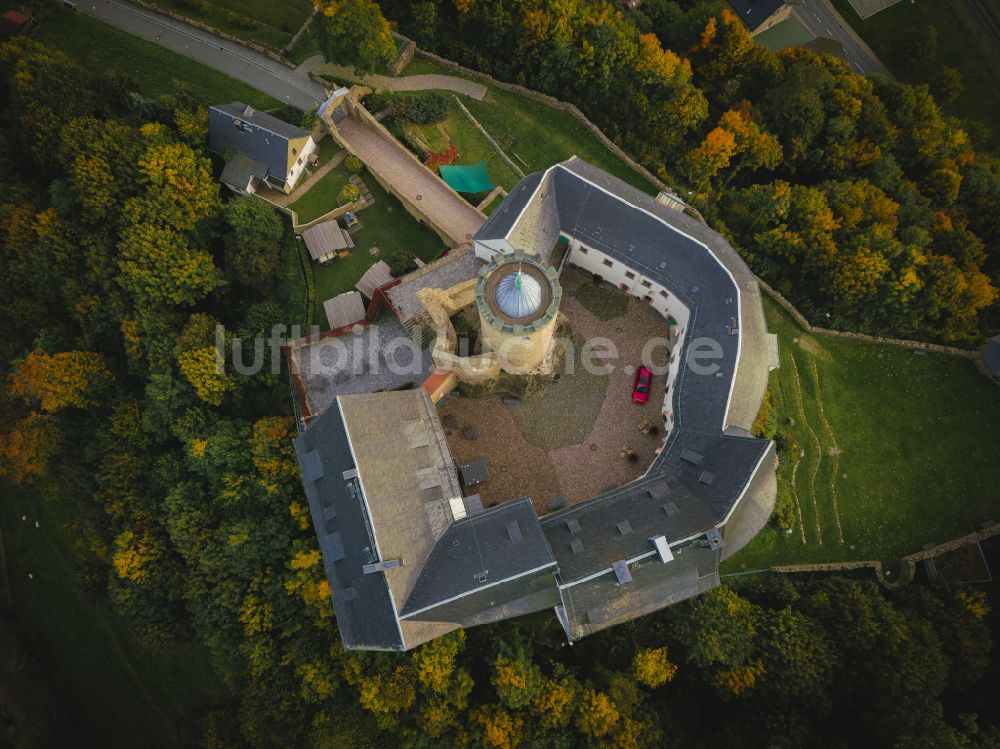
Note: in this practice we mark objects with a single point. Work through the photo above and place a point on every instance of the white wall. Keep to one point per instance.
(487, 249)
(631, 281)
(299, 167)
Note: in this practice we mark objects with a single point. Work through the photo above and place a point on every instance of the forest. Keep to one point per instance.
(179, 487)
(858, 198)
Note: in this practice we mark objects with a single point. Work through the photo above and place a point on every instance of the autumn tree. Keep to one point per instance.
(652, 668)
(160, 267)
(179, 191)
(58, 381)
(27, 446)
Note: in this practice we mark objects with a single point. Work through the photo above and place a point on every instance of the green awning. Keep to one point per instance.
(470, 178)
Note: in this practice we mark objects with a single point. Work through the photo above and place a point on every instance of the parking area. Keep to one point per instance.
(578, 435)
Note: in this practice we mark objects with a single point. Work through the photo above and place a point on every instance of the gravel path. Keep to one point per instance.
(453, 83)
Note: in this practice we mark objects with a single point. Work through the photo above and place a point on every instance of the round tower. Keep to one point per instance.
(518, 301)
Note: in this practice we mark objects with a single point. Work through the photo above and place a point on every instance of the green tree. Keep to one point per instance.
(253, 246)
(355, 33)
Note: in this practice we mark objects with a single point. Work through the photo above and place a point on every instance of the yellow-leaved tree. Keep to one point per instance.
(58, 381)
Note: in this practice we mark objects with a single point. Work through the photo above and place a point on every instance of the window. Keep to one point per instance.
(623, 287)
(294, 152)
(582, 249)
(664, 294)
(299, 161)
(608, 263)
(647, 284)
(629, 275)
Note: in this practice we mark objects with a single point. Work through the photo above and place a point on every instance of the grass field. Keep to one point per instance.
(472, 147)
(154, 69)
(534, 134)
(899, 450)
(124, 694)
(322, 197)
(981, 100)
(277, 20)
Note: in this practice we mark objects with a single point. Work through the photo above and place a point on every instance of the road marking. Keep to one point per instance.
(859, 67)
(817, 17)
(828, 31)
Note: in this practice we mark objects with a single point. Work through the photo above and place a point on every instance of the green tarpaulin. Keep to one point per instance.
(469, 178)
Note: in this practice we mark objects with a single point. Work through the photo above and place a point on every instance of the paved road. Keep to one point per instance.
(235, 60)
(388, 159)
(821, 19)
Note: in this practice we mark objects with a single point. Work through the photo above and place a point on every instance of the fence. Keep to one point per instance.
(900, 342)
(908, 563)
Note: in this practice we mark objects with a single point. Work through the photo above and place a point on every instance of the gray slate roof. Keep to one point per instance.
(704, 467)
(239, 170)
(362, 602)
(503, 542)
(260, 136)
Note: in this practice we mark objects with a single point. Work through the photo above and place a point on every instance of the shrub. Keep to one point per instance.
(422, 109)
(443, 158)
(353, 164)
(348, 194)
(401, 262)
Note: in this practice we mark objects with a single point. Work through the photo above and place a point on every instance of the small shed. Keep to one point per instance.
(325, 240)
(14, 23)
(375, 277)
(344, 310)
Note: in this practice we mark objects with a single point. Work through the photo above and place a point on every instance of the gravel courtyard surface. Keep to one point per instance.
(567, 439)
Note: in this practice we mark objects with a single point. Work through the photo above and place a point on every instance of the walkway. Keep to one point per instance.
(394, 165)
(404, 83)
(233, 59)
(303, 187)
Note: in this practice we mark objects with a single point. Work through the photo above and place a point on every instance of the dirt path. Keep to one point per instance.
(427, 82)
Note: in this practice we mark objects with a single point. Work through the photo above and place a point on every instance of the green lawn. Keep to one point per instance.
(919, 458)
(386, 225)
(278, 21)
(534, 134)
(472, 146)
(321, 197)
(123, 694)
(155, 69)
(981, 99)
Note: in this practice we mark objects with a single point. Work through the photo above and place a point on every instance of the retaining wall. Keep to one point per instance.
(900, 342)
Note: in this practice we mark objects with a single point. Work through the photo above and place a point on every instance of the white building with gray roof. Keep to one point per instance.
(606, 560)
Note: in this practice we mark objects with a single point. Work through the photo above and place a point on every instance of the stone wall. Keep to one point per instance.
(900, 342)
(405, 54)
(908, 563)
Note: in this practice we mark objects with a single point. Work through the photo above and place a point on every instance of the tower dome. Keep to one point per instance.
(518, 294)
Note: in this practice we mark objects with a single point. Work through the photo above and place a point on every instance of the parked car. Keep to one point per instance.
(640, 387)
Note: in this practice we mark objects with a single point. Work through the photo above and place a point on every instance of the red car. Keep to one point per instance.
(640, 387)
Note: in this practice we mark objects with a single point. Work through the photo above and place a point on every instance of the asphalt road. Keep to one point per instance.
(235, 60)
(821, 19)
